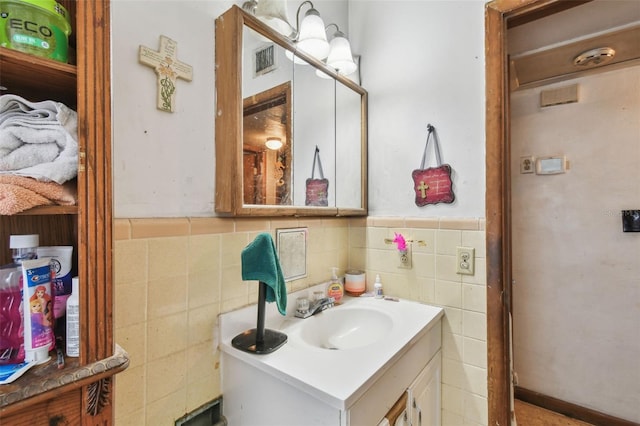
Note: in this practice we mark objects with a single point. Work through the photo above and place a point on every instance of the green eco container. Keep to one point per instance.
(38, 27)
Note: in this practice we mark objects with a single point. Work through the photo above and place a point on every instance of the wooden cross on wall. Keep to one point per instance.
(168, 70)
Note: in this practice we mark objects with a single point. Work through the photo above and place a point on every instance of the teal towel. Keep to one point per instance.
(260, 262)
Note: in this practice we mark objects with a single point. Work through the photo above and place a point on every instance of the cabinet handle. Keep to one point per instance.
(415, 405)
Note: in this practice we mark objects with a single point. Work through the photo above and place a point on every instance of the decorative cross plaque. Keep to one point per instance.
(168, 70)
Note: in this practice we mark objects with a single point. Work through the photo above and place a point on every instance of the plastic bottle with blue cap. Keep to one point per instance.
(377, 288)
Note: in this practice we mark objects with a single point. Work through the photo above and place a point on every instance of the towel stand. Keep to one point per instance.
(260, 340)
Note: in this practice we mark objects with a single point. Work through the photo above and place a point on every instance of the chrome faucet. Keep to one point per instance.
(317, 306)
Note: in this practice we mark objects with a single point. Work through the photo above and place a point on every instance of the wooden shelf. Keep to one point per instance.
(50, 210)
(37, 79)
(43, 381)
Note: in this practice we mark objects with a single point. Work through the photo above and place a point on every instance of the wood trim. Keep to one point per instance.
(399, 408)
(228, 30)
(94, 192)
(364, 155)
(544, 11)
(570, 410)
(497, 337)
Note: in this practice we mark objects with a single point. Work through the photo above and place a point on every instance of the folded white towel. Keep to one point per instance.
(14, 107)
(38, 139)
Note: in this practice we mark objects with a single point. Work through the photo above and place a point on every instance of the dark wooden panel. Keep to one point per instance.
(62, 410)
(37, 79)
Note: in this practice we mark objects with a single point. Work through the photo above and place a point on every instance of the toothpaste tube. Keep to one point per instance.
(38, 310)
(61, 262)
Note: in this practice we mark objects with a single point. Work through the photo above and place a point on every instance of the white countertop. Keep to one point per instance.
(336, 377)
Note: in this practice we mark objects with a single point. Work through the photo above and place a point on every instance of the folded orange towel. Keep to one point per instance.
(18, 193)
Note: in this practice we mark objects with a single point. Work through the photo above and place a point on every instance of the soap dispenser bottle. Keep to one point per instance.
(377, 288)
(335, 288)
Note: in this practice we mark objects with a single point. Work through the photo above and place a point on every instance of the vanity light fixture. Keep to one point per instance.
(272, 13)
(340, 57)
(311, 37)
(273, 143)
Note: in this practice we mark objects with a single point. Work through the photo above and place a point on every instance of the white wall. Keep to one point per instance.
(164, 163)
(576, 310)
(422, 62)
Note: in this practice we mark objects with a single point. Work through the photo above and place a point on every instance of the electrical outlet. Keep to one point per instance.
(465, 260)
(405, 258)
(527, 164)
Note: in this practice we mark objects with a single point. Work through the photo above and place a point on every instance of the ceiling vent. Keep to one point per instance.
(594, 57)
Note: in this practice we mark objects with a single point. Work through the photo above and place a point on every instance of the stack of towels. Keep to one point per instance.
(38, 154)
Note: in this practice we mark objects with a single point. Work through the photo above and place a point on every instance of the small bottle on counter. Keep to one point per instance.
(335, 288)
(377, 288)
(73, 319)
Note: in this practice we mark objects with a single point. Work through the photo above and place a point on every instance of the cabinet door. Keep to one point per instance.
(403, 419)
(424, 394)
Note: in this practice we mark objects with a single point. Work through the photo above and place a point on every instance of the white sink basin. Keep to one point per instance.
(371, 335)
(345, 328)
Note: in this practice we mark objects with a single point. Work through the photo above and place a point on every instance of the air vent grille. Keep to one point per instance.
(264, 60)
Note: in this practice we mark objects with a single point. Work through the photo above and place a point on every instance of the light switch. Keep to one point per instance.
(551, 165)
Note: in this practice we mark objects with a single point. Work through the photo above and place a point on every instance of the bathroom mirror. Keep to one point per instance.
(262, 95)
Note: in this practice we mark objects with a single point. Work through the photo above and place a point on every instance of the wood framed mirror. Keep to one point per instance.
(260, 95)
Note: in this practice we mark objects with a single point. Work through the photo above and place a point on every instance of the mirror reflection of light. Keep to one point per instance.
(273, 143)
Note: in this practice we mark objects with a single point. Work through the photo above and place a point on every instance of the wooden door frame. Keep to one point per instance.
(497, 198)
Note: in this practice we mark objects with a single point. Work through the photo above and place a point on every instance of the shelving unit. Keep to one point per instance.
(81, 392)
(54, 80)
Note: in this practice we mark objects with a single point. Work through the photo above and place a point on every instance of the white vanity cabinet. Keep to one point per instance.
(301, 384)
(407, 374)
(420, 404)
(424, 400)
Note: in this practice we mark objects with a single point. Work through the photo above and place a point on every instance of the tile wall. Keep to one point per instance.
(174, 276)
